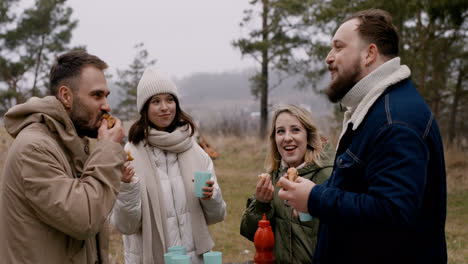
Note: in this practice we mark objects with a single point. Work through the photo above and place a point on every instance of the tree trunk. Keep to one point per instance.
(264, 78)
(454, 108)
(435, 87)
(18, 95)
(34, 91)
(422, 56)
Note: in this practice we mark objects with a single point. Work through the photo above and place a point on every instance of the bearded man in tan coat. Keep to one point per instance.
(56, 194)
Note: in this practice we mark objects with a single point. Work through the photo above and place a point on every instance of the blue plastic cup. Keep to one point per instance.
(213, 257)
(305, 217)
(180, 259)
(168, 257)
(200, 179)
(178, 250)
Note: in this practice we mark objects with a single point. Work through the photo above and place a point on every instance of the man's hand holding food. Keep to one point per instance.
(296, 193)
(111, 129)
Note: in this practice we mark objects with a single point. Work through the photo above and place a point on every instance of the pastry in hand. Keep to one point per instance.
(262, 176)
(129, 156)
(110, 120)
(292, 175)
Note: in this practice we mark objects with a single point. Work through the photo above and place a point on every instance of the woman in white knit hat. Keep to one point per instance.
(156, 207)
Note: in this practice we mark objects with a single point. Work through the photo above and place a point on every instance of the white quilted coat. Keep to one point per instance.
(126, 215)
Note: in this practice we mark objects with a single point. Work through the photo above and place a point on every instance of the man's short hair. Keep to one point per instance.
(67, 68)
(375, 26)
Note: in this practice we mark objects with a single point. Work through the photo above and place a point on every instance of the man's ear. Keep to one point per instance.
(372, 52)
(65, 96)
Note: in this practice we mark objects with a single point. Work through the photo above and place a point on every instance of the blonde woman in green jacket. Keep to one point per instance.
(294, 141)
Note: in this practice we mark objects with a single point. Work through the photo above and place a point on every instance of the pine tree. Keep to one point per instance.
(128, 81)
(29, 42)
(279, 45)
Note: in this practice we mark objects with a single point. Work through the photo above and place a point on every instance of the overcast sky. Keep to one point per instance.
(185, 36)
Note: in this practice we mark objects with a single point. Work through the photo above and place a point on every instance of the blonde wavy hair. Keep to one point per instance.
(315, 142)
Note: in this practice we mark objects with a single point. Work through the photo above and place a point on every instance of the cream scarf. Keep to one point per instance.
(364, 94)
(154, 228)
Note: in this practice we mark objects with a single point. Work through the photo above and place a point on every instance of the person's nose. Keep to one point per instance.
(287, 137)
(106, 106)
(163, 106)
(330, 57)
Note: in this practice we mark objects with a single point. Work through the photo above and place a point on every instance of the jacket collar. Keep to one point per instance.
(364, 94)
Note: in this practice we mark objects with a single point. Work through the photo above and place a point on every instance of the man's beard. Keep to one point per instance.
(339, 87)
(81, 118)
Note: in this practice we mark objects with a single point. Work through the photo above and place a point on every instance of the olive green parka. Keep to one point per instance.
(294, 240)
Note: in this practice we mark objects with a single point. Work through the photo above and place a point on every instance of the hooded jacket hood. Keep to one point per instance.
(50, 112)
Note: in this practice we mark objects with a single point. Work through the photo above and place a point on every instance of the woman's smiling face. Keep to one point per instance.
(162, 110)
(291, 139)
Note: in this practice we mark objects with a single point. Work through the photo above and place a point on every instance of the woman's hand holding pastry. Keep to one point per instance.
(127, 172)
(264, 191)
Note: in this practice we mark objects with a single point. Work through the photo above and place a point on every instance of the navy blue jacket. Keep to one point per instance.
(385, 201)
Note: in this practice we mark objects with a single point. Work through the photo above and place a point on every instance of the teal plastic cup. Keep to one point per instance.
(304, 217)
(177, 250)
(200, 179)
(180, 259)
(168, 257)
(213, 257)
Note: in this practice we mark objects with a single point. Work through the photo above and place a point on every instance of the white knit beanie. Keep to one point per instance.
(151, 83)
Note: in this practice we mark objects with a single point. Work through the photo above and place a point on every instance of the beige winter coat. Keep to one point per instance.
(55, 196)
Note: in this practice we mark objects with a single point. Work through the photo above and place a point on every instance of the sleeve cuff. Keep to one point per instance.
(129, 186)
(112, 147)
(313, 203)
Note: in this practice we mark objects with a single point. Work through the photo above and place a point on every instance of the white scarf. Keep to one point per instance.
(153, 210)
(364, 94)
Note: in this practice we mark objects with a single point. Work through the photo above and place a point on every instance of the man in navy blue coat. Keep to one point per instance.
(385, 201)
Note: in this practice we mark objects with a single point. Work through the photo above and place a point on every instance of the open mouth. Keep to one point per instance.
(290, 149)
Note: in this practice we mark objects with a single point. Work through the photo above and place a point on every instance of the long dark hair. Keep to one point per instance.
(140, 129)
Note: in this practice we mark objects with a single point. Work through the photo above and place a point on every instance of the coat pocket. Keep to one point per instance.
(348, 173)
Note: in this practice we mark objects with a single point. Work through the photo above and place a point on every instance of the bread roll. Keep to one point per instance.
(129, 156)
(292, 175)
(110, 120)
(262, 176)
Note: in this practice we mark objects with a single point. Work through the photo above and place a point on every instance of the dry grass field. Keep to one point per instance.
(242, 159)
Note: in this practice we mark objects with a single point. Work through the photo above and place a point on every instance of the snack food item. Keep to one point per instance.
(292, 175)
(262, 175)
(110, 120)
(129, 156)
